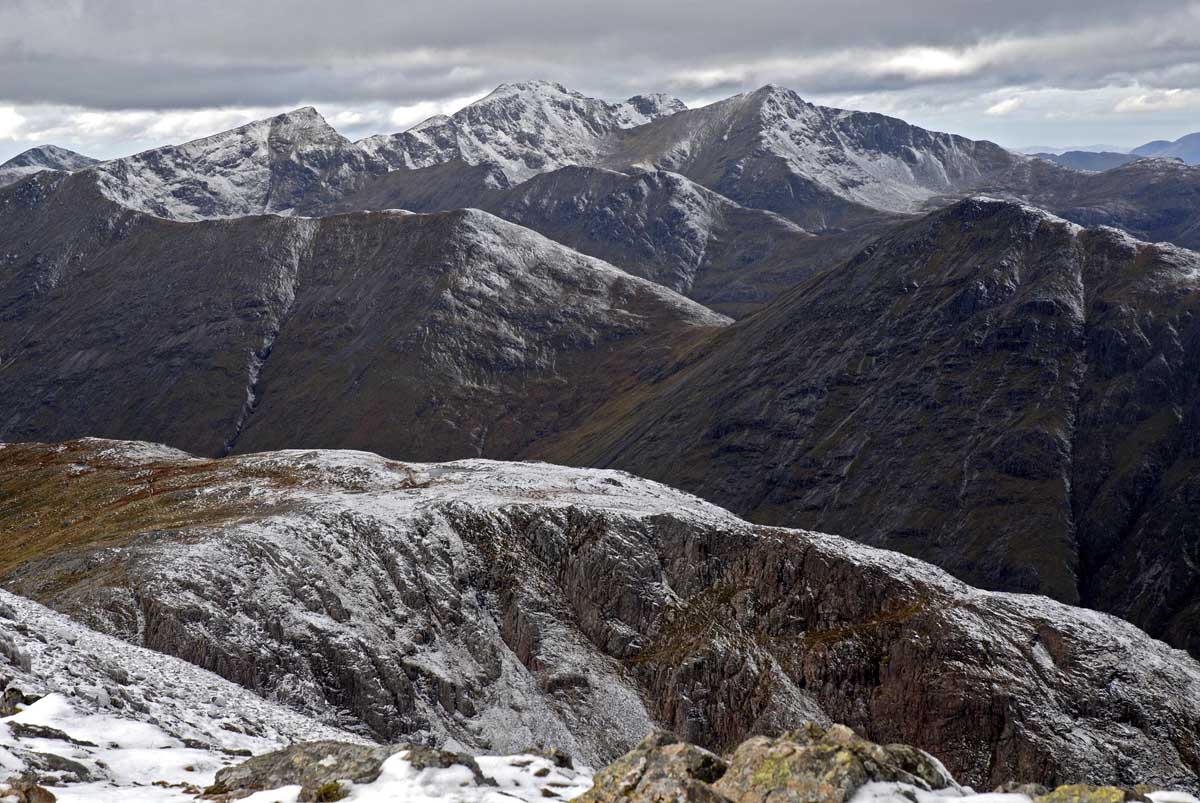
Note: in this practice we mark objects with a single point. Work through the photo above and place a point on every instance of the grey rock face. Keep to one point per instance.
(523, 129)
(504, 605)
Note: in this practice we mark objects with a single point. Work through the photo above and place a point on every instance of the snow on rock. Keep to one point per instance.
(124, 717)
(105, 721)
(877, 161)
(267, 166)
(45, 157)
(489, 607)
(524, 128)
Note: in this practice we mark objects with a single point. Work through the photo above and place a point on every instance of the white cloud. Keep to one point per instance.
(1003, 107)
(1163, 100)
(10, 122)
(922, 63)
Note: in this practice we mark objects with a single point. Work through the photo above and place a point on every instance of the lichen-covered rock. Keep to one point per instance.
(813, 764)
(1083, 793)
(660, 769)
(1030, 790)
(804, 765)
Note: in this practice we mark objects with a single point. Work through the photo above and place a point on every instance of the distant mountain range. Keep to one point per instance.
(929, 353)
(1089, 161)
(1097, 158)
(1186, 148)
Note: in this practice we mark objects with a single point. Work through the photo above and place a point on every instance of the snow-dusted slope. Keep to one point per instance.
(435, 336)
(497, 605)
(524, 128)
(45, 157)
(102, 720)
(136, 716)
(266, 166)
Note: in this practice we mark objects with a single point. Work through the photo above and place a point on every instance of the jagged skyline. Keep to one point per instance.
(109, 79)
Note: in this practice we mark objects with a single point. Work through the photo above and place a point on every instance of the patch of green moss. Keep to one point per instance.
(330, 792)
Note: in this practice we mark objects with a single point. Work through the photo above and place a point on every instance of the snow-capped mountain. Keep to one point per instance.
(266, 166)
(495, 606)
(45, 157)
(827, 170)
(655, 224)
(819, 166)
(523, 128)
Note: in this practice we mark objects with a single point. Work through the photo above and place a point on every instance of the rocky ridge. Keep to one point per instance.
(492, 606)
(447, 335)
(522, 129)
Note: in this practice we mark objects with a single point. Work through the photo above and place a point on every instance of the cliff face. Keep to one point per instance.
(499, 604)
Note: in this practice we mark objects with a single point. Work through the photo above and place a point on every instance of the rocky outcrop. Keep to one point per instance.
(831, 765)
(25, 790)
(158, 728)
(318, 768)
(508, 605)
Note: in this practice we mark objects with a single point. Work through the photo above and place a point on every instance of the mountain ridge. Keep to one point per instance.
(428, 599)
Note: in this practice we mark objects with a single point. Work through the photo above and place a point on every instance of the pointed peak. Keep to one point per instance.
(304, 116)
(776, 91)
(302, 113)
(50, 157)
(532, 87)
(656, 104)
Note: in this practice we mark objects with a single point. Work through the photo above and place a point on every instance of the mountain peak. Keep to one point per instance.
(656, 104)
(535, 86)
(302, 114)
(50, 157)
(524, 128)
(43, 157)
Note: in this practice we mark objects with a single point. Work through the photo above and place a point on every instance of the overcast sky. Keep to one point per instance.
(109, 77)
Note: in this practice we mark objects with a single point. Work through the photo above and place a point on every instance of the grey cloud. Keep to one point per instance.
(116, 55)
